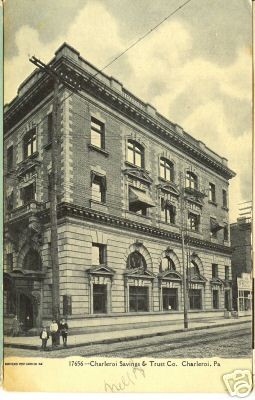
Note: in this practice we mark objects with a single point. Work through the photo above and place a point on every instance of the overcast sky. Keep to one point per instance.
(195, 69)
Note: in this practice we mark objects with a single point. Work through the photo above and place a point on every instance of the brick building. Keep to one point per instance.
(240, 236)
(129, 181)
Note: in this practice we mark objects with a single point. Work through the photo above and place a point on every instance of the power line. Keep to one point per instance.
(141, 38)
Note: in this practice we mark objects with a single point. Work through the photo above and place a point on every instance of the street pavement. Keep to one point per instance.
(85, 339)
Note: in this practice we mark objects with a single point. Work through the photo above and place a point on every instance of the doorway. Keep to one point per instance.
(26, 312)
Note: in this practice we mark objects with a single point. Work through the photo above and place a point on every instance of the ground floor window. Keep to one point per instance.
(170, 299)
(138, 299)
(195, 299)
(244, 300)
(99, 299)
(215, 298)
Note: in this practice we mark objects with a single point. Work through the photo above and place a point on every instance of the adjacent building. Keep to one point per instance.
(129, 183)
(241, 239)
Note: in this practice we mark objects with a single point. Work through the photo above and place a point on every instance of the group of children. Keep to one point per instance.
(55, 331)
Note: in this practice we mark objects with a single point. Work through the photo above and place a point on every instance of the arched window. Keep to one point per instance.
(167, 264)
(191, 180)
(194, 270)
(135, 154)
(32, 261)
(136, 260)
(166, 169)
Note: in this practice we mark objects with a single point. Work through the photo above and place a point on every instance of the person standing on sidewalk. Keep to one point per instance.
(44, 335)
(54, 332)
(63, 327)
(15, 326)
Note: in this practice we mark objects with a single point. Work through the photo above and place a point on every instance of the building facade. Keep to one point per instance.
(129, 183)
(241, 238)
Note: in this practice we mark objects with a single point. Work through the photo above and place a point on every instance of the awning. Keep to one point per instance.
(216, 226)
(139, 198)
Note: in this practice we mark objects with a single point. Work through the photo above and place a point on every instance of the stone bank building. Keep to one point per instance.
(129, 183)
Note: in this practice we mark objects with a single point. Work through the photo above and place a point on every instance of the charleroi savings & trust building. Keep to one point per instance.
(129, 182)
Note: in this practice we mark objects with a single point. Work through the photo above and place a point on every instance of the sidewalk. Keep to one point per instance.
(114, 336)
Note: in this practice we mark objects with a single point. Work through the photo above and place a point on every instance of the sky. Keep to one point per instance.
(196, 68)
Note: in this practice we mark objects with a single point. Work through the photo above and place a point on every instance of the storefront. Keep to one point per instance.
(244, 287)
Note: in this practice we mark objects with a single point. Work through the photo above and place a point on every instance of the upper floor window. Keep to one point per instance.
(27, 193)
(9, 261)
(191, 180)
(194, 269)
(135, 154)
(10, 202)
(224, 198)
(168, 211)
(97, 133)
(50, 127)
(214, 270)
(212, 193)
(226, 272)
(98, 254)
(166, 169)
(213, 227)
(167, 264)
(29, 143)
(98, 184)
(193, 222)
(9, 158)
(225, 232)
(136, 260)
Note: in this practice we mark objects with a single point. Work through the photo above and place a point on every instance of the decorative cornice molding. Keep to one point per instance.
(83, 213)
(120, 101)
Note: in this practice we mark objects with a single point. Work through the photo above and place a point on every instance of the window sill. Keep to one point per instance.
(225, 208)
(133, 214)
(98, 149)
(98, 206)
(47, 146)
(213, 203)
(160, 178)
(129, 164)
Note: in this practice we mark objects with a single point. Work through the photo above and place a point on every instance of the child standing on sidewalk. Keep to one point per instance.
(44, 335)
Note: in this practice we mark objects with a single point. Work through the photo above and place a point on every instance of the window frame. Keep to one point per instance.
(227, 273)
(215, 270)
(212, 193)
(191, 180)
(23, 191)
(224, 198)
(166, 165)
(10, 158)
(197, 222)
(135, 148)
(102, 253)
(100, 131)
(194, 294)
(99, 181)
(168, 211)
(30, 140)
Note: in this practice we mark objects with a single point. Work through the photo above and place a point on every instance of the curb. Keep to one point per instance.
(124, 339)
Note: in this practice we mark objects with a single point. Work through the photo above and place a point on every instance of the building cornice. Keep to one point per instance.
(112, 93)
(83, 213)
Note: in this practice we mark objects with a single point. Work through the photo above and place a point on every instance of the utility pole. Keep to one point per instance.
(54, 176)
(184, 272)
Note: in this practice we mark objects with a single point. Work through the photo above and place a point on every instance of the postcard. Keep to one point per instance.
(127, 150)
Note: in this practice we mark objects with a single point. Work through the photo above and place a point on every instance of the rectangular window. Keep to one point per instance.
(212, 193)
(214, 270)
(193, 222)
(168, 211)
(10, 202)
(9, 261)
(10, 158)
(195, 299)
(98, 183)
(138, 299)
(225, 232)
(97, 130)
(224, 198)
(213, 227)
(29, 143)
(227, 272)
(99, 299)
(50, 127)
(67, 305)
(27, 193)
(170, 299)
(98, 254)
(215, 294)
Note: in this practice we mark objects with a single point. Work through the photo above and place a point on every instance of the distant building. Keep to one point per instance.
(123, 169)
(241, 241)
